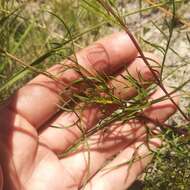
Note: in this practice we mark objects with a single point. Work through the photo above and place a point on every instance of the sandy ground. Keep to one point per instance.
(145, 28)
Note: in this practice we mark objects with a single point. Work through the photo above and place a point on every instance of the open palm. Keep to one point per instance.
(30, 145)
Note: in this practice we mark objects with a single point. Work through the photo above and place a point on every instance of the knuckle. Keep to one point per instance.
(98, 58)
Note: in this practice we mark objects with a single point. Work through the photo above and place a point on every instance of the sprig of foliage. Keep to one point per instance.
(21, 32)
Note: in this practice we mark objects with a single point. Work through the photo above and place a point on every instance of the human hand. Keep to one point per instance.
(30, 145)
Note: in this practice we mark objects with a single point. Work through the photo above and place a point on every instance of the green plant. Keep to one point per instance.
(55, 30)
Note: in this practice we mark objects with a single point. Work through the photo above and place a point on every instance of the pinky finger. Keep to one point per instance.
(123, 170)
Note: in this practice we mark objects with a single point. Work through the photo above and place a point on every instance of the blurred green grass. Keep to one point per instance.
(32, 33)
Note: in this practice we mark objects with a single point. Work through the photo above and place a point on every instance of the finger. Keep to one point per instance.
(37, 101)
(125, 168)
(103, 146)
(138, 72)
(59, 139)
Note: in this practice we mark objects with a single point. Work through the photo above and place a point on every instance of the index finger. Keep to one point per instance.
(37, 101)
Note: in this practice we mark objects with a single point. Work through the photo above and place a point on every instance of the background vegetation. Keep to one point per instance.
(36, 34)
